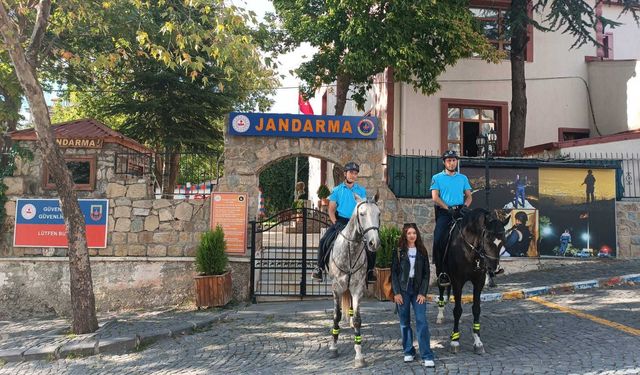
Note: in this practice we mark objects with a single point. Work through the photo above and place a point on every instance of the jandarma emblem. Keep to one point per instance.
(241, 123)
(366, 127)
(96, 212)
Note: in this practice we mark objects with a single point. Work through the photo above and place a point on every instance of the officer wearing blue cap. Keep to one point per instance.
(450, 192)
(342, 202)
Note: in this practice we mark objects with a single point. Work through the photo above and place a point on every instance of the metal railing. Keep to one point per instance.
(409, 176)
(627, 178)
(196, 173)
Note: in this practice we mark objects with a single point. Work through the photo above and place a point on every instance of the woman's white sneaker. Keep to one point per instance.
(408, 358)
(429, 363)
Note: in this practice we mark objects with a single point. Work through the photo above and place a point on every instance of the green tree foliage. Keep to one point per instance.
(166, 73)
(211, 256)
(7, 168)
(10, 95)
(389, 237)
(170, 69)
(323, 191)
(357, 39)
(277, 183)
(576, 18)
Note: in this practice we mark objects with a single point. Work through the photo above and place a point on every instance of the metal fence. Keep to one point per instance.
(628, 178)
(197, 173)
(409, 176)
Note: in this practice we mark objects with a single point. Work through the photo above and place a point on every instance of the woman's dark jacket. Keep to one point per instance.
(400, 267)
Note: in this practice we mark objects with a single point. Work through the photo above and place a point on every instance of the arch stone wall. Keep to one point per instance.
(246, 157)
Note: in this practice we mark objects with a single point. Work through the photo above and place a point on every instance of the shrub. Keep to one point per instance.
(211, 258)
(299, 203)
(323, 192)
(389, 236)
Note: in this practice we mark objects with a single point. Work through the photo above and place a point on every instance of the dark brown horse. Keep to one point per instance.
(472, 252)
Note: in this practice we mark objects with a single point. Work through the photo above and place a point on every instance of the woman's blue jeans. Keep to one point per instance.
(409, 298)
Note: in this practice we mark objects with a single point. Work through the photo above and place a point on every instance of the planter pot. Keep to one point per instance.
(212, 291)
(382, 274)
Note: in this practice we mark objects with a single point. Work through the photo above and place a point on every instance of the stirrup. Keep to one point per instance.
(317, 274)
(371, 277)
(499, 271)
(443, 280)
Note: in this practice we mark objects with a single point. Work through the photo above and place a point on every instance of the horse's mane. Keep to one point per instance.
(474, 217)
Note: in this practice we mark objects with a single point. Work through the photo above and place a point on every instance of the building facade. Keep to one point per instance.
(572, 93)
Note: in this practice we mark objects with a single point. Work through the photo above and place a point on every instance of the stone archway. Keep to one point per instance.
(246, 157)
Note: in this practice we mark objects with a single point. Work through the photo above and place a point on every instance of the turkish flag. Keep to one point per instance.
(304, 105)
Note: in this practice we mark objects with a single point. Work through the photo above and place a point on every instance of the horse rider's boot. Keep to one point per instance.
(317, 274)
(443, 280)
(371, 262)
(499, 271)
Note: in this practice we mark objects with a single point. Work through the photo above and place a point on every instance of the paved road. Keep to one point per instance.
(595, 331)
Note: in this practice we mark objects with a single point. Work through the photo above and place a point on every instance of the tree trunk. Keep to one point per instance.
(82, 297)
(518, 83)
(174, 165)
(171, 171)
(342, 89)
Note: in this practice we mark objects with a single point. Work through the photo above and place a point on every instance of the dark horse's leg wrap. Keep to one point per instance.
(455, 336)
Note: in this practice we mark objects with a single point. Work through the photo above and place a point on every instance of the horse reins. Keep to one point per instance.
(479, 250)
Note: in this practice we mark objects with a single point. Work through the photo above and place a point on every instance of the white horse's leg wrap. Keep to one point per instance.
(440, 317)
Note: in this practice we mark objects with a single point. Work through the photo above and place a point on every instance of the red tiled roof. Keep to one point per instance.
(84, 128)
(617, 137)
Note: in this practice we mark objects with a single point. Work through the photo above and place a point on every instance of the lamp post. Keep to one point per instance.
(486, 147)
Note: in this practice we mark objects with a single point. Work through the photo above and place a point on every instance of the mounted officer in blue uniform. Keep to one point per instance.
(342, 202)
(451, 195)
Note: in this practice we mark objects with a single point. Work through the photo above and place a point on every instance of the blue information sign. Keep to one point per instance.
(39, 223)
(302, 126)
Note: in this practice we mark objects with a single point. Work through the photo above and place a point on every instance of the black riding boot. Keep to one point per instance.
(371, 262)
(317, 272)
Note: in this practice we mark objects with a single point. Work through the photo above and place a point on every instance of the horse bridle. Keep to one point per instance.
(361, 231)
(479, 250)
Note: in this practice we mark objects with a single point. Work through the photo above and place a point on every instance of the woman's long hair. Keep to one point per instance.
(402, 243)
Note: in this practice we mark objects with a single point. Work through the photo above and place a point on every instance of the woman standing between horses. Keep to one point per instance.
(410, 279)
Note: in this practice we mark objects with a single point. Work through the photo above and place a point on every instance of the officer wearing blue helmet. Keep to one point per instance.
(342, 202)
(451, 193)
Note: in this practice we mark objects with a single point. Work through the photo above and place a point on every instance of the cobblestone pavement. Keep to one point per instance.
(520, 337)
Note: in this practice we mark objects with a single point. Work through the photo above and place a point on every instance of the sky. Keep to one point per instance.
(286, 98)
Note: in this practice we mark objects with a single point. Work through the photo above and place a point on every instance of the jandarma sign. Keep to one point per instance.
(302, 126)
(79, 142)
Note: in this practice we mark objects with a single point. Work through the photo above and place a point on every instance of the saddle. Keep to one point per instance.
(458, 214)
(329, 242)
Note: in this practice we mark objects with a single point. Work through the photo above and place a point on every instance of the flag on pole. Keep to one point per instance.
(304, 105)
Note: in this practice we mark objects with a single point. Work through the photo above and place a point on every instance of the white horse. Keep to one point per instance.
(348, 267)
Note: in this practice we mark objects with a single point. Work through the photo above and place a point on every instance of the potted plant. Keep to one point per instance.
(389, 236)
(323, 193)
(213, 282)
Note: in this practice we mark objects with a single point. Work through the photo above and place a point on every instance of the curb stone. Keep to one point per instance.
(552, 289)
(91, 344)
(82, 348)
(117, 345)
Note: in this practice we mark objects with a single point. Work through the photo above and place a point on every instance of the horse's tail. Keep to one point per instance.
(346, 305)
